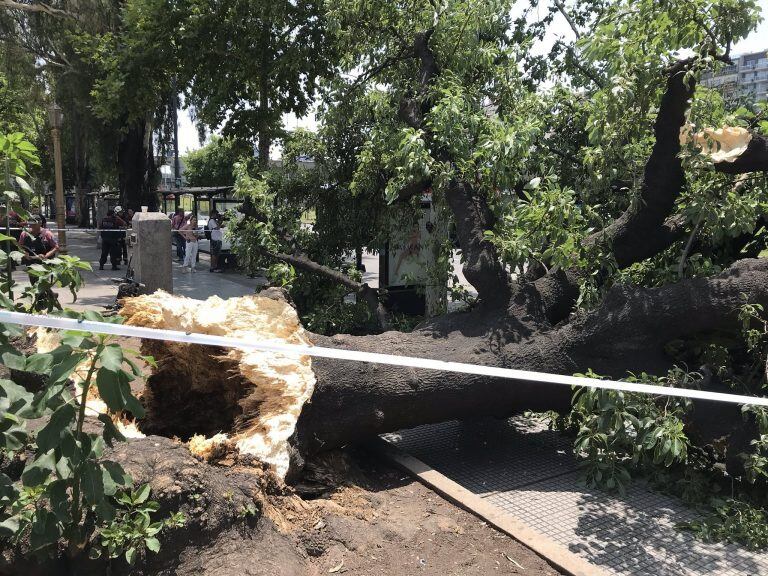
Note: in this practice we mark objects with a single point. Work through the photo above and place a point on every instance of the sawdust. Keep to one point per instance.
(210, 449)
(269, 388)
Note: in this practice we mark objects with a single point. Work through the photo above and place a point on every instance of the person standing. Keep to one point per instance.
(177, 221)
(37, 243)
(215, 235)
(189, 232)
(110, 240)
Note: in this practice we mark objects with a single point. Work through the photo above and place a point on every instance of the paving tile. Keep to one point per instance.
(521, 467)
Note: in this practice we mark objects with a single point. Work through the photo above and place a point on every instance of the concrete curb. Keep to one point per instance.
(555, 554)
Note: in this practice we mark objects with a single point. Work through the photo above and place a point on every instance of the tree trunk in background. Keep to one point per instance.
(264, 134)
(436, 291)
(136, 167)
(82, 170)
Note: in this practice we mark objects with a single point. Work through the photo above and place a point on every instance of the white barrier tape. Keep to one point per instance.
(12, 228)
(88, 230)
(372, 357)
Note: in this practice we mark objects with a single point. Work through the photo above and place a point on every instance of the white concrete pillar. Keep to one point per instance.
(152, 251)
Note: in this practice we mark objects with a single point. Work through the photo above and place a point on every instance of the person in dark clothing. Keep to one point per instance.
(110, 240)
(177, 221)
(37, 243)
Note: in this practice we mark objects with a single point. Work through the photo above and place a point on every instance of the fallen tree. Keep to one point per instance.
(282, 409)
(531, 321)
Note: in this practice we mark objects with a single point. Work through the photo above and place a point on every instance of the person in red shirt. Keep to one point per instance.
(37, 243)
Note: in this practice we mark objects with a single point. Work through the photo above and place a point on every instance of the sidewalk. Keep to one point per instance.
(100, 289)
(529, 472)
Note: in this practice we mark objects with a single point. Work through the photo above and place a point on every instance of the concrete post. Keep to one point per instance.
(152, 251)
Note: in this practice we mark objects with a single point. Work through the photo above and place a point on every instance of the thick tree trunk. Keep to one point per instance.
(352, 401)
(628, 332)
(82, 169)
(136, 167)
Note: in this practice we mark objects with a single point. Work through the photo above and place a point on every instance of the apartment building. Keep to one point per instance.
(747, 77)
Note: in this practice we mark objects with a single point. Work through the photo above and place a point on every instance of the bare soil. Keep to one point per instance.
(351, 513)
(381, 521)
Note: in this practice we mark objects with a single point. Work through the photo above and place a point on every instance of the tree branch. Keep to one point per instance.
(754, 158)
(482, 267)
(368, 294)
(635, 235)
(38, 7)
(585, 70)
(561, 8)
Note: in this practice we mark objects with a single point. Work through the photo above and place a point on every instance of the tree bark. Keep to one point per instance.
(136, 167)
(638, 233)
(628, 332)
(353, 401)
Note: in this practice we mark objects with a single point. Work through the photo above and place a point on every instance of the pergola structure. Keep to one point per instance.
(199, 200)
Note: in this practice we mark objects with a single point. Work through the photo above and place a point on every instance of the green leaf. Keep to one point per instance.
(130, 555)
(45, 531)
(141, 494)
(105, 511)
(111, 357)
(37, 471)
(17, 400)
(13, 439)
(93, 316)
(92, 482)
(77, 339)
(58, 498)
(135, 370)
(14, 359)
(62, 371)
(71, 449)
(9, 526)
(114, 477)
(153, 544)
(24, 185)
(110, 390)
(39, 363)
(49, 437)
(111, 432)
(133, 405)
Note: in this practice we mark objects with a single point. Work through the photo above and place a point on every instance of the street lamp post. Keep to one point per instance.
(56, 118)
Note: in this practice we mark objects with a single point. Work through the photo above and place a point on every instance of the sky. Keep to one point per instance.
(758, 40)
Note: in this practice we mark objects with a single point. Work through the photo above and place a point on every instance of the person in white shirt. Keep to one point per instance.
(189, 232)
(215, 236)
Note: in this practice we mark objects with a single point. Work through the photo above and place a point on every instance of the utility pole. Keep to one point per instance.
(57, 119)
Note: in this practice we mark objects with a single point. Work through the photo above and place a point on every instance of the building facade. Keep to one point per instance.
(746, 78)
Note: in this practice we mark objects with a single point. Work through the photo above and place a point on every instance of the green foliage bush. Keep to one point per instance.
(68, 494)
